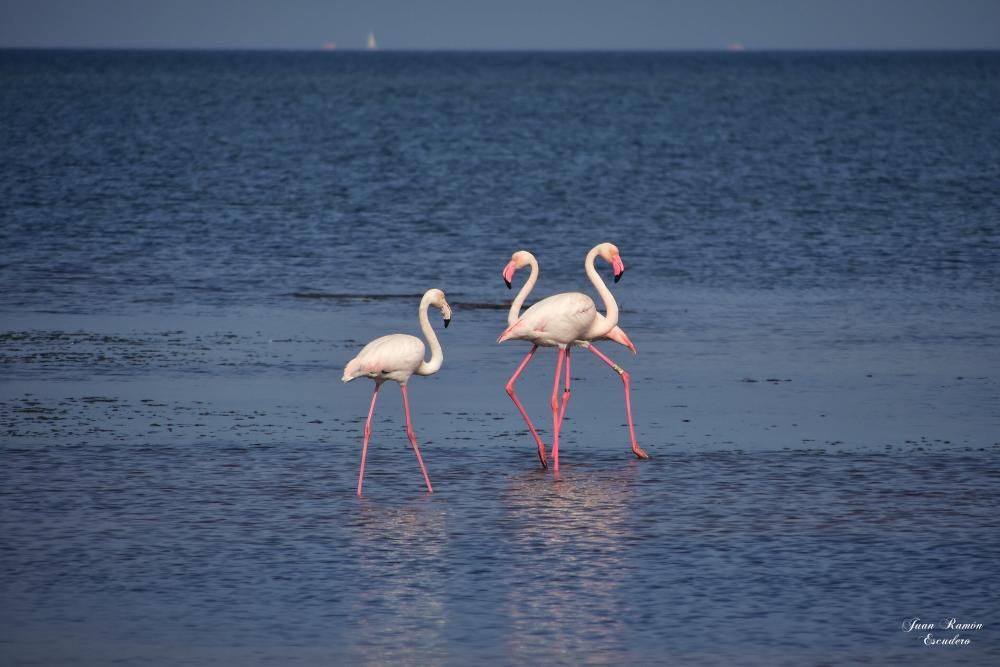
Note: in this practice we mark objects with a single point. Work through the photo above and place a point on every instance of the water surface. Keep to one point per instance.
(194, 244)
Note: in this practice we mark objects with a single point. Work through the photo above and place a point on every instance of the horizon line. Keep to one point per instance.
(421, 49)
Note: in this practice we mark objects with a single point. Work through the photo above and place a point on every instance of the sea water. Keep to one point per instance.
(195, 243)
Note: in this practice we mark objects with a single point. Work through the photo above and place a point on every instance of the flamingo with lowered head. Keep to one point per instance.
(519, 260)
(396, 357)
(560, 321)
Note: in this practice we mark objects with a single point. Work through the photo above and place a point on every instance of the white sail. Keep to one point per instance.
(371, 41)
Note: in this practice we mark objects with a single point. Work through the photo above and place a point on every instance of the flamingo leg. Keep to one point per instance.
(628, 401)
(413, 438)
(555, 411)
(368, 433)
(510, 392)
(565, 400)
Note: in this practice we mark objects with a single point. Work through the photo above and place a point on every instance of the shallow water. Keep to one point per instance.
(195, 244)
(260, 553)
(158, 510)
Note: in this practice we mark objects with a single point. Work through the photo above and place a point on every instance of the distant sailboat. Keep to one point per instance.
(371, 42)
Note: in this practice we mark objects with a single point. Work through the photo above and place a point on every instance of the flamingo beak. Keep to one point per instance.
(447, 321)
(508, 272)
(619, 267)
(446, 313)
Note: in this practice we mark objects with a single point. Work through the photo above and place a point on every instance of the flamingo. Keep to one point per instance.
(519, 260)
(396, 357)
(559, 321)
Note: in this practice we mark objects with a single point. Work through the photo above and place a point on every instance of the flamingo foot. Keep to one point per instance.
(542, 456)
(638, 451)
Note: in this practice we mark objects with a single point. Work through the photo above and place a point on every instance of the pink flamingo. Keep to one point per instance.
(560, 320)
(396, 357)
(519, 260)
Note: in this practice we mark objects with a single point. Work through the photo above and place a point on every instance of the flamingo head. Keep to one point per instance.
(609, 252)
(435, 297)
(518, 260)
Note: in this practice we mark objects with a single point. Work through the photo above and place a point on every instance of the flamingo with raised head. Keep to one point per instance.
(560, 321)
(519, 260)
(396, 357)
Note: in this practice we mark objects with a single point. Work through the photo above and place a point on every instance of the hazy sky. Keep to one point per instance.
(503, 24)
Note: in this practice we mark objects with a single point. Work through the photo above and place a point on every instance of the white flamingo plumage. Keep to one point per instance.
(396, 357)
(561, 320)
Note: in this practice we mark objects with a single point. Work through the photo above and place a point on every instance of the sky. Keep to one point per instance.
(502, 24)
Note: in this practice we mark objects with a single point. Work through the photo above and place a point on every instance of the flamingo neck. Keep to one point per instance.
(515, 307)
(601, 326)
(437, 354)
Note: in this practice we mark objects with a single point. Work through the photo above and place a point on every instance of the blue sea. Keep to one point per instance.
(193, 245)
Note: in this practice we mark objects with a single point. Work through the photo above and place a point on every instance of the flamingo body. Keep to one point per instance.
(393, 357)
(555, 321)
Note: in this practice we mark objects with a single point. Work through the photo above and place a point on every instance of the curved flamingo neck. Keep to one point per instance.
(515, 307)
(437, 354)
(601, 326)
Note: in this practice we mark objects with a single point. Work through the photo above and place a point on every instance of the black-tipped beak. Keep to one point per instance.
(619, 267)
(447, 321)
(508, 273)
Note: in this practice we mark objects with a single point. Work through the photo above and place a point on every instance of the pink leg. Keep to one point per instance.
(565, 401)
(368, 433)
(628, 401)
(510, 392)
(413, 438)
(555, 411)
